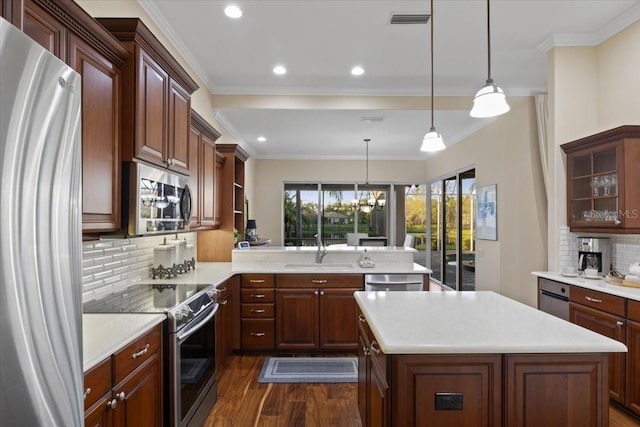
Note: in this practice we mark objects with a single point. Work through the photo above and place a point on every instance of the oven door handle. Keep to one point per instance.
(183, 335)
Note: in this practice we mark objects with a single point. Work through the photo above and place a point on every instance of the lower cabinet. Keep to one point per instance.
(316, 312)
(224, 324)
(472, 390)
(126, 388)
(633, 357)
(257, 312)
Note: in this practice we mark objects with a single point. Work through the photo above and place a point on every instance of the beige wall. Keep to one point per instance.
(591, 89)
(506, 153)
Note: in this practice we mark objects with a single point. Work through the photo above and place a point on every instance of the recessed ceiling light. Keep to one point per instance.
(279, 70)
(233, 11)
(357, 70)
(261, 139)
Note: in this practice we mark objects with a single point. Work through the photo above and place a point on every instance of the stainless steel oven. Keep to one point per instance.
(553, 298)
(192, 361)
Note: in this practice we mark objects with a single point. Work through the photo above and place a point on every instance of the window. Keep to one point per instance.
(452, 230)
(328, 209)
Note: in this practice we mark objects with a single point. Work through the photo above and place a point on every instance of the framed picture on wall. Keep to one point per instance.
(487, 213)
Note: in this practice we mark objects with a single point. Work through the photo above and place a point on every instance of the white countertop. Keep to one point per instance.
(104, 334)
(593, 284)
(328, 268)
(471, 323)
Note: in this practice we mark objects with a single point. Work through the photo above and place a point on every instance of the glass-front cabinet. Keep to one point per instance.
(603, 181)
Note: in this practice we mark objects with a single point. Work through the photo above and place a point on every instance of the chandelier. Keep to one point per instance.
(368, 201)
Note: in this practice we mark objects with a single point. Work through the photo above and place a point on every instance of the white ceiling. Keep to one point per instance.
(320, 40)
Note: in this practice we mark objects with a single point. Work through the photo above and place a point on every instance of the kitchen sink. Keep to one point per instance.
(319, 266)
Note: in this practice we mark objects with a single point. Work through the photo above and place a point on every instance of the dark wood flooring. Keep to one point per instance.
(243, 402)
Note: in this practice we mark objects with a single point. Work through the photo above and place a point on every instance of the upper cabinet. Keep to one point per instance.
(232, 187)
(157, 101)
(603, 194)
(67, 31)
(202, 167)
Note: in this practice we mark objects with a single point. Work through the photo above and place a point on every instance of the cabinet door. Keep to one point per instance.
(101, 106)
(101, 415)
(364, 361)
(140, 396)
(195, 171)
(338, 324)
(610, 326)
(224, 328)
(633, 366)
(218, 191)
(151, 114)
(208, 181)
(179, 126)
(378, 393)
(297, 319)
(44, 29)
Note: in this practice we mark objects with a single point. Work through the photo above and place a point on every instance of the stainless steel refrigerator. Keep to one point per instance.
(40, 236)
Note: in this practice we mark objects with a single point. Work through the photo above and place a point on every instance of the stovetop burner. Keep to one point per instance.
(180, 302)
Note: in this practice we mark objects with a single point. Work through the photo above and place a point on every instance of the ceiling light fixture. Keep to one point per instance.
(279, 70)
(357, 71)
(368, 201)
(432, 141)
(262, 139)
(490, 100)
(233, 11)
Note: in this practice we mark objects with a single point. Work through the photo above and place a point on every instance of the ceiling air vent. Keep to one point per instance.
(409, 18)
(371, 119)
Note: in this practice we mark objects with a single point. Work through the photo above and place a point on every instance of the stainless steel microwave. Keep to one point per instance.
(159, 201)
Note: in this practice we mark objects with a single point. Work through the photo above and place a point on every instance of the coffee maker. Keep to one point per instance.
(594, 252)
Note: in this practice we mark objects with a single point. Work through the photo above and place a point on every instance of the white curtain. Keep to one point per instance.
(542, 116)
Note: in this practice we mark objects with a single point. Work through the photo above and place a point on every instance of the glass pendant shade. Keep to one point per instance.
(432, 141)
(490, 101)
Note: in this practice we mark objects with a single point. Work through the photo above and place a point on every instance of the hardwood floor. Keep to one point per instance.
(243, 402)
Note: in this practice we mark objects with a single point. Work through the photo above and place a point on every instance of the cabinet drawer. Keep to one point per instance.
(258, 280)
(634, 310)
(97, 383)
(319, 281)
(598, 300)
(258, 334)
(257, 310)
(133, 355)
(257, 295)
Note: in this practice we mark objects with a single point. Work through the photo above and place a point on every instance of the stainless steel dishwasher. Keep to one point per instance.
(553, 298)
(393, 282)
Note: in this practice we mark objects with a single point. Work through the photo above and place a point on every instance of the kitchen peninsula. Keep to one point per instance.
(477, 359)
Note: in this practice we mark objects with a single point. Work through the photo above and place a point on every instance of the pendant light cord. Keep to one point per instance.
(432, 65)
(489, 40)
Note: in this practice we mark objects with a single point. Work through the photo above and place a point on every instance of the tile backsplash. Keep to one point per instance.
(113, 264)
(625, 249)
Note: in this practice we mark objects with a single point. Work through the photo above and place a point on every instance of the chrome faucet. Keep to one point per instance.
(322, 252)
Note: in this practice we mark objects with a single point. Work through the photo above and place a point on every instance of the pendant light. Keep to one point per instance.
(490, 100)
(367, 201)
(432, 141)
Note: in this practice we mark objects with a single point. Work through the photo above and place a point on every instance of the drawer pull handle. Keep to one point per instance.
(220, 290)
(597, 301)
(121, 395)
(113, 403)
(257, 296)
(224, 302)
(365, 351)
(619, 323)
(87, 392)
(361, 318)
(257, 334)
(318, 281)
(256, 281)
(141, 352)
(257, 310)
(374, 347)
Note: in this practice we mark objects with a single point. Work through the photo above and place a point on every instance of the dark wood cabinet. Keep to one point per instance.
(633, 357)
(127, 391)
(373, 389)
(218, 191)
(67, 31)
(225, 324)
(601, 175)
(157, 101)
(317, 312)
(101, 105)
(257, 307)
(607, 324)
(202, 169)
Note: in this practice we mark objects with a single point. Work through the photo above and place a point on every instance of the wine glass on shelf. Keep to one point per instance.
(596, 183)
(613, 182)
(605, 182)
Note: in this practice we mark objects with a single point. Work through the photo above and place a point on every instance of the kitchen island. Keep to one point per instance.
(476, 359)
